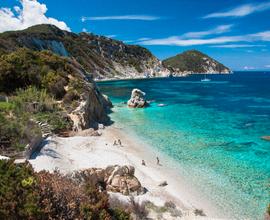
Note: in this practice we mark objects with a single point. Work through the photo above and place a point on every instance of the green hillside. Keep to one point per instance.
(196, 62)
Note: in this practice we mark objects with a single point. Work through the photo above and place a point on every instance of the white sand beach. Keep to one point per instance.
(77, 153)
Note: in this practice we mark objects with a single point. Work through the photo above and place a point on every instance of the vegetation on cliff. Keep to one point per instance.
(25, 194)
(41, 87)
(101, 56)
(195, 62)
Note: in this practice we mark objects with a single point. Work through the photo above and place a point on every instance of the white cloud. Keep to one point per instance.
(265, 35)
(122, 17)
(267, 66)
(179, 41)
(30, 13)
(241, 11)
(144, 38)
(248, 68)
(218, 30)
(238, 45)
(84, 30)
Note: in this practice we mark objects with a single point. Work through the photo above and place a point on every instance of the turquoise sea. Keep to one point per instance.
(212, 130)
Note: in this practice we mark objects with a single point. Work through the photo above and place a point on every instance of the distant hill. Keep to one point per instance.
(193, 61)
(102, 57)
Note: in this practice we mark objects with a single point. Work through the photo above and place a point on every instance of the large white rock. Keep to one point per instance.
(137, 99)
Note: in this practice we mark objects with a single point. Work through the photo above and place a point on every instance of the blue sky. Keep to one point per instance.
(237, 33)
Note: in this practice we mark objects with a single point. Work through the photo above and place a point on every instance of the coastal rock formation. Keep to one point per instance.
(137, 99)
(92, 108)
(114, 178)
(193, 61)
(55, 91)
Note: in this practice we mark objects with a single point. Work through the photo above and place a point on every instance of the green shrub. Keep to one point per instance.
(19, 196)
(25, 194)
(57, 121)
(42, 69)
(71, 96)
(14, 134)
(55, 84)
(6, 106)
(33, 100)
(98, 205)
(120, 214)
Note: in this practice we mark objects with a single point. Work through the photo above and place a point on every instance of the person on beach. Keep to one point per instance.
(119, 142)
(158, 161)
(115, 143)
(143, 163)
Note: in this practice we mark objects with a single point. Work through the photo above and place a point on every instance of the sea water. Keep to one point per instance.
(212, 130)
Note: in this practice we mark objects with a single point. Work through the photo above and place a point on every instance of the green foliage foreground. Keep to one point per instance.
(17, 127)
(25, 194)
(34, 82)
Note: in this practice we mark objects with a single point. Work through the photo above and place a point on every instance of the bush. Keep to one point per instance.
(16, 125)
(42, 69)
(57, 120)
(121, 209)
(25, 194)
(16, 132)
(19, 196)
(120, 214)
(70, 97)
(33, 100)
(6, 106)
(55, 84)
(98, 205)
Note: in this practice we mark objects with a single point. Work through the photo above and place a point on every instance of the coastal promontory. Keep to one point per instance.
(194, 61)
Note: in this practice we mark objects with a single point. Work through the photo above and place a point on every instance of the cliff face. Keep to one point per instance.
(194, 61)
(43, 93)
(100, 56)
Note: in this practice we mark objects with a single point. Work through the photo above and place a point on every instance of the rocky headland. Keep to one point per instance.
(194, 61)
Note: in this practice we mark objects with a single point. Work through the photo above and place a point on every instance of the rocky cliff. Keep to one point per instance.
(43, 88)
(194, 61)
(102, 57)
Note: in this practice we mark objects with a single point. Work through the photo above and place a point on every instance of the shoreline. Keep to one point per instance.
(78, 153)
(158, 77)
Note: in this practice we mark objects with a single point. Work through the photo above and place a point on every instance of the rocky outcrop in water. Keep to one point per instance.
(137, 99)
(114, 178)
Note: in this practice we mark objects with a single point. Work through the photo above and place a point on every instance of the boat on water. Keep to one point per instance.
(205, 79)
(161, 105)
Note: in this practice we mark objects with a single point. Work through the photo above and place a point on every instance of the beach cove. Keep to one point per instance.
(211, 133)
(79, 153)
(207, 162)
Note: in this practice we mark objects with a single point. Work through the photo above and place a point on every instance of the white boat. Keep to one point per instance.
(161, 105)
(205, 79)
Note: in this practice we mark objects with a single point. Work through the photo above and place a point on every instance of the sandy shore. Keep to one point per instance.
(76, 153)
